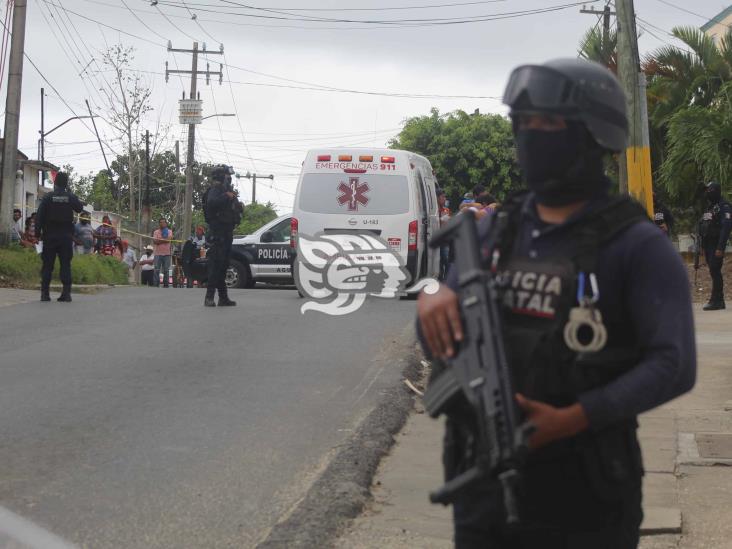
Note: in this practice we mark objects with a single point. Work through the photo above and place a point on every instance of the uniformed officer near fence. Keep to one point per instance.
(55, 228)
(223, 212)
(566, 251)
(714, 229)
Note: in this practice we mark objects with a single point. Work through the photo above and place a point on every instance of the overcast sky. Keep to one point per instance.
(278, 120)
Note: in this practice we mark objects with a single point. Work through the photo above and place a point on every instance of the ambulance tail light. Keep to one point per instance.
(412, 241)
(323, 158)
(387, 159)
(344, 158)
(293, 233)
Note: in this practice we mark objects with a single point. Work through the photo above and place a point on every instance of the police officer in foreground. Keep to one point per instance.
(567, 246)
(223, 212)
(55, 227)
(714, 229)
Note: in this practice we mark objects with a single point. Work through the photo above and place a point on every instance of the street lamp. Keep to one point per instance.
(221, 114)
(49, 132)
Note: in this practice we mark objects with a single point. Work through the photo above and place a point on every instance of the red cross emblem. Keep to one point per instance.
(353, 194)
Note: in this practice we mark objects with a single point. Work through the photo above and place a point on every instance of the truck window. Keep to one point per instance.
(354, 194)
(281, 231)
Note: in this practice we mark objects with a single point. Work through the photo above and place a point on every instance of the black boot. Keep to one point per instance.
(715, 306)
(44, 295)
(209, 300)
(224, 300)
(65, 295)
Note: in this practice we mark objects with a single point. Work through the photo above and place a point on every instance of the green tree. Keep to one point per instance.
(594, 47)
(689, 111)
(465, 150)
(94, 190)
(255, 216)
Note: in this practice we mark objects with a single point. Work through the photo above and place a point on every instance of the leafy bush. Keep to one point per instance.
(22, 267)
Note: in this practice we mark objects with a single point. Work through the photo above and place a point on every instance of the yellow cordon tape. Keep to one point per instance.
(122, 229)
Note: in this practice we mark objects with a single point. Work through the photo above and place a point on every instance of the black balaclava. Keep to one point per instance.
(561, 167)
(713, 192)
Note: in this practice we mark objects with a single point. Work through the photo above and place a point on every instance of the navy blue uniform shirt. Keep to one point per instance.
(641, 278)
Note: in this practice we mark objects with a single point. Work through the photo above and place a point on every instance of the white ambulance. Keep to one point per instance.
(385, 192)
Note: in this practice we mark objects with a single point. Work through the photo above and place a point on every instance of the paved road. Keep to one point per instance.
(138, 418)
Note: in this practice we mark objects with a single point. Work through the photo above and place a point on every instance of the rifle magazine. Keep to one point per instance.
(441, 393)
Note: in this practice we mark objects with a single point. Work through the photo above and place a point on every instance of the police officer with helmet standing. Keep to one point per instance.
(714, 229)
(565, 250)
(55, 227)
(223, 212)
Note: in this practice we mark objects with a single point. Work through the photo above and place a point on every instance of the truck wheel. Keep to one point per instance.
(237, 275)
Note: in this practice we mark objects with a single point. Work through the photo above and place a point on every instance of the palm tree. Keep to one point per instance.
(699, 143)
(595, 47)
(684, 77)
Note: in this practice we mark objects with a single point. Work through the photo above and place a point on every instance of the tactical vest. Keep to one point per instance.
(710, 225)
(58, 209)
(231, 214)
(538, 296)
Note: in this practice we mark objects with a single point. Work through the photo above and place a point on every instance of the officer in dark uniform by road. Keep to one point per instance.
(223, 212)
(562, 251)
(55, 227)
(714, 229)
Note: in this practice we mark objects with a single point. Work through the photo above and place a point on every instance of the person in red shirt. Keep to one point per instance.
(162, 239)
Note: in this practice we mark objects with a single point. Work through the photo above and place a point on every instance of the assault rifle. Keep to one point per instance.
(697, 256)
(479, 371)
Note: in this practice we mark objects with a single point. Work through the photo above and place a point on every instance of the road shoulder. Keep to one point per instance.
(342, 491)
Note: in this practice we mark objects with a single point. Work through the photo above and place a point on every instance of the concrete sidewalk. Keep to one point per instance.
(687, 494)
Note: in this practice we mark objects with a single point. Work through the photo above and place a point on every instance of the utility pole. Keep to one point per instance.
(146, 201)
(12, 120)
(42, 151)
(194, 72)
(637, 179)
(253, 177)
(606, 13)
(176, 212)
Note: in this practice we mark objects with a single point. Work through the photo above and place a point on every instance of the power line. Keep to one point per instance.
(236, 111)
(392, 8)
(314, 86)
(708, 19)
(173, 24)
(288, 16)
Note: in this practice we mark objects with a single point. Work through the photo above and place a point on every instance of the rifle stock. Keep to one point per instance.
(480, 372)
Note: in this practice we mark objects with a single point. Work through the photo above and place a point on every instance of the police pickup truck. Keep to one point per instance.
(262, 257)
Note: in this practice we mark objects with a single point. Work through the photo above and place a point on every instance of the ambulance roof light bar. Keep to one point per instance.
(387, 159)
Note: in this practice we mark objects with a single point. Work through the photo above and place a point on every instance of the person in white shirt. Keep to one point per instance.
(147, 267)
(130, 259)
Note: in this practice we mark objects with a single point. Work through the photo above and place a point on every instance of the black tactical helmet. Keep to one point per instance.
(713, 191)
(576, 89)
(221, 173)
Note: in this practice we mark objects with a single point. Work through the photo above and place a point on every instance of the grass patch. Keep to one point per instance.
(21, 268)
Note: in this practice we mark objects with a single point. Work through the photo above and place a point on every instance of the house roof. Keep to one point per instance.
(717, 19)
(42, 165)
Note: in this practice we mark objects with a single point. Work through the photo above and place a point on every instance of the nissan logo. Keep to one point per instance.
(352, 222)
